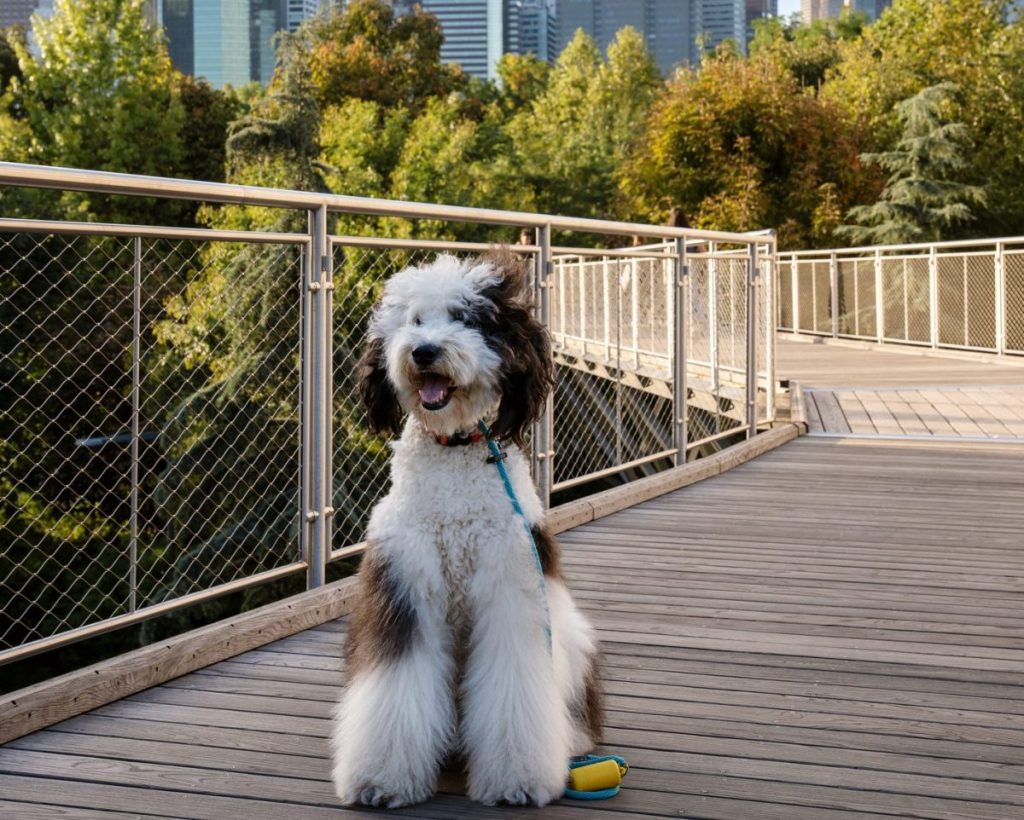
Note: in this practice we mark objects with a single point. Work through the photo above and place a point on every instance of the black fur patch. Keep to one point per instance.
(382, 407)
(549, 552)
(527, 368)
(384, 621)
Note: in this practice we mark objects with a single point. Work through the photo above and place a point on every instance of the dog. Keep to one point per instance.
(456, 649)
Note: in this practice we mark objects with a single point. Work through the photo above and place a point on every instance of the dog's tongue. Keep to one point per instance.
(434, 389)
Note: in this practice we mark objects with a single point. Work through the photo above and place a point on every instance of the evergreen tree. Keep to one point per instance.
(922, 201)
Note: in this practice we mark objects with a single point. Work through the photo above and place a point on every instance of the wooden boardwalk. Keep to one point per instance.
(833, 630)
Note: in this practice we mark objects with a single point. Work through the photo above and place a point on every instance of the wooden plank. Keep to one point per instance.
(832, 418)
(46, 703)
(814, 422)
(857, 416)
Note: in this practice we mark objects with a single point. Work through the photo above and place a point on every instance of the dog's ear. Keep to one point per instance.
(378, 397)
(527, 369)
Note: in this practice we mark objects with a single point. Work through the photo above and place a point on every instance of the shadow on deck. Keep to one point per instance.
(830, 630)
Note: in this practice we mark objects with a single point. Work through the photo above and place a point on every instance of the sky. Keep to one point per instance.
(788, 7)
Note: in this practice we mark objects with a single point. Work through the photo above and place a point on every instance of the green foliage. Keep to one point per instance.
(369, 53)
(808, 52)
(738, 145)
(100, 95)
(917, 44)
(570, 142)
(523, 79)
(207, 114)
(922, 201)
(9, 67)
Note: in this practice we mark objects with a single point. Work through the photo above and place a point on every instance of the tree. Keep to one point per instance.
(922, 201)
(917, 44)
(808, 52)
(738, 145)
(570, 141)
(207, 114)
(101, 94)
(369, 53)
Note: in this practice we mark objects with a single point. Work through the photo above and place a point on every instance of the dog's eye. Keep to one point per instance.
(417, 321)
(457, 314)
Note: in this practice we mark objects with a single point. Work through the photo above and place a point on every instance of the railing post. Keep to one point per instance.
(833, 286)
(544, 430)
(713, 320)
(133, 557)
(771, 306)
(751, 387)
(933, 296)
(679, 351)
(879, 301)
(607, 293)
(1000, 272)
(315, 474)
(794, 278)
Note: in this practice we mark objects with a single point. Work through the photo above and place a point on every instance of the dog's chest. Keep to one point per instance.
(458, 563)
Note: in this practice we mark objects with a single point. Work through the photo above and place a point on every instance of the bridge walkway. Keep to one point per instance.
(831, 630)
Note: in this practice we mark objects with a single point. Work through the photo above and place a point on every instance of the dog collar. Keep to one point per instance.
(459, 439)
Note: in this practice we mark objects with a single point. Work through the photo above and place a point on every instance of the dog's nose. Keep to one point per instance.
(425, 354)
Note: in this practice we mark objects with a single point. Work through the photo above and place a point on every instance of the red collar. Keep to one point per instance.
(459, 439)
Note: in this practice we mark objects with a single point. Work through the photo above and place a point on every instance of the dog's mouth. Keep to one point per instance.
(435, 391)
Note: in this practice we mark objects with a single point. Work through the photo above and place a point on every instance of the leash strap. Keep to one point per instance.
(498, 459)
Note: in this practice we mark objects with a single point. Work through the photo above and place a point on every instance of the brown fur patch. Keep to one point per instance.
(589, 710)
(384, 621)
(549, 551)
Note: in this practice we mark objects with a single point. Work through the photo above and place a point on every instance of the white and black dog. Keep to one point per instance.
(447, 652)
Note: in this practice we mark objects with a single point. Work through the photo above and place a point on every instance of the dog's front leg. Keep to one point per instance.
(515, 719)
(396, 716)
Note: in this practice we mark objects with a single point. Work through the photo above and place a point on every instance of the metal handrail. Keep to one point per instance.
(955, 295)
(145, 264)
(110, 182)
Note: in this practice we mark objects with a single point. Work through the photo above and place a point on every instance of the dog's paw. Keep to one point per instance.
(517, 796)
(383, 797)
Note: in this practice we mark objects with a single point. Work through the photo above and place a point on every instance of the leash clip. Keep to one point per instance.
(494, 458)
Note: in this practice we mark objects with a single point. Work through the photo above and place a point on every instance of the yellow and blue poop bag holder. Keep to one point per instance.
(595, 777)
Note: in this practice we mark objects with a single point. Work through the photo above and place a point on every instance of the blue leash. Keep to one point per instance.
(497, 458)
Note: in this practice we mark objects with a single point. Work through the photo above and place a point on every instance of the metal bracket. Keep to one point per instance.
(328, 511)
(311, 516)
(314, 286)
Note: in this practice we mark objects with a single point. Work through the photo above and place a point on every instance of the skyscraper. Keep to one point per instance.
(474, 32)
(756, 9)
(229, 41)
(299, 10)
(530, 28)
(670, 28)
(812, 10)
(222, 39)
(16, 12)
(723, 20)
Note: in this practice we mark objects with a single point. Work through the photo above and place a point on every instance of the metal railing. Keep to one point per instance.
(180, 408)
(965, 295)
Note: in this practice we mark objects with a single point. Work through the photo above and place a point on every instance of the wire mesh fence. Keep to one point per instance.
(614, 327)
(150, 436)
(182, 418)
(967, 296)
